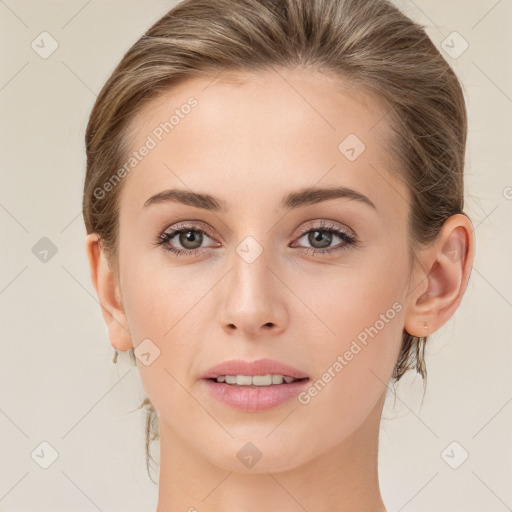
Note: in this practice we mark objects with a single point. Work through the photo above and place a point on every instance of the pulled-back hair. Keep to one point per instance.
(368, 44)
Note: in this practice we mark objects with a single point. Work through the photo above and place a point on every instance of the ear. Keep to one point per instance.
(107, 289)
(441, 277)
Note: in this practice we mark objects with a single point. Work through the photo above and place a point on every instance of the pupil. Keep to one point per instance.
(187, 239)
(313, 238)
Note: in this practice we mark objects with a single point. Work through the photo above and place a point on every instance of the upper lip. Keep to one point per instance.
(258, 367)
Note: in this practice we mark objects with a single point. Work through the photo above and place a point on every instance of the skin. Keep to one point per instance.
(248, 142)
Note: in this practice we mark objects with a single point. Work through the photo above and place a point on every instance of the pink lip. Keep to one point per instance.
(259, 367)
(254, 398)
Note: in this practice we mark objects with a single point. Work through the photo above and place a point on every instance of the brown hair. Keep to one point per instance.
(368, 44)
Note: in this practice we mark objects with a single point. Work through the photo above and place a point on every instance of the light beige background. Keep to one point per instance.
(57, 380)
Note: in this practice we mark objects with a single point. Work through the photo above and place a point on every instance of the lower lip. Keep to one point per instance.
(257, 398)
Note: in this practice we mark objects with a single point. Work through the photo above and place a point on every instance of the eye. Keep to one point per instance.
(190, 238)
(320, 237)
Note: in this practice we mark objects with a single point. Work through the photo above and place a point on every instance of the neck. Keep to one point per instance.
(343, 479)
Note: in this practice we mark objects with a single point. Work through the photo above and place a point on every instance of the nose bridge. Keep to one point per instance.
(250, 276)
(252, 298)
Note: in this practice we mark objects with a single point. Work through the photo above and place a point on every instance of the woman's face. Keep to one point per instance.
(247, 285)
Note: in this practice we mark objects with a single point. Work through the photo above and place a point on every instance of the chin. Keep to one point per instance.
(260, 453)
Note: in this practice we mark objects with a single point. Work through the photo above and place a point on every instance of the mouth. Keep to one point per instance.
(262, 372)
(254, 386)
(257, 381)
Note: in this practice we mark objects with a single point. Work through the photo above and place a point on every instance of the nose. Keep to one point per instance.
(252, 301)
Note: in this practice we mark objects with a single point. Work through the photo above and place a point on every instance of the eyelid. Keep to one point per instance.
(193, 225)
(313, 224)
(327, 224)
(349, 239)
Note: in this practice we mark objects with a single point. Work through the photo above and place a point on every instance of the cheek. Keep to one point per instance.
(354, 365)
(157, 294)
(357, 329)
(168, 306)
(346, 299)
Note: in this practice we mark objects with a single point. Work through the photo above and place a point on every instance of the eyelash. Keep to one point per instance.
(323, 227)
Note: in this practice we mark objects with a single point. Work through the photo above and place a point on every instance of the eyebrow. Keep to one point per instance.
(292, 200)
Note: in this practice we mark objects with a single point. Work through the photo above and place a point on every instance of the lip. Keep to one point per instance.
(258, 367)
(254, 398)
(257, 398)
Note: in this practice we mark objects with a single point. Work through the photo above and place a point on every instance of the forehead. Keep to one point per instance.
(256, 132)
(281, 97)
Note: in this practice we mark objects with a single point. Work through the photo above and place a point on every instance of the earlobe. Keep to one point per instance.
(107, 288)
(442, 281)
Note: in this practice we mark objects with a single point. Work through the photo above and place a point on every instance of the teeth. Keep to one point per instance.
(243, 380)
(256, 380)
